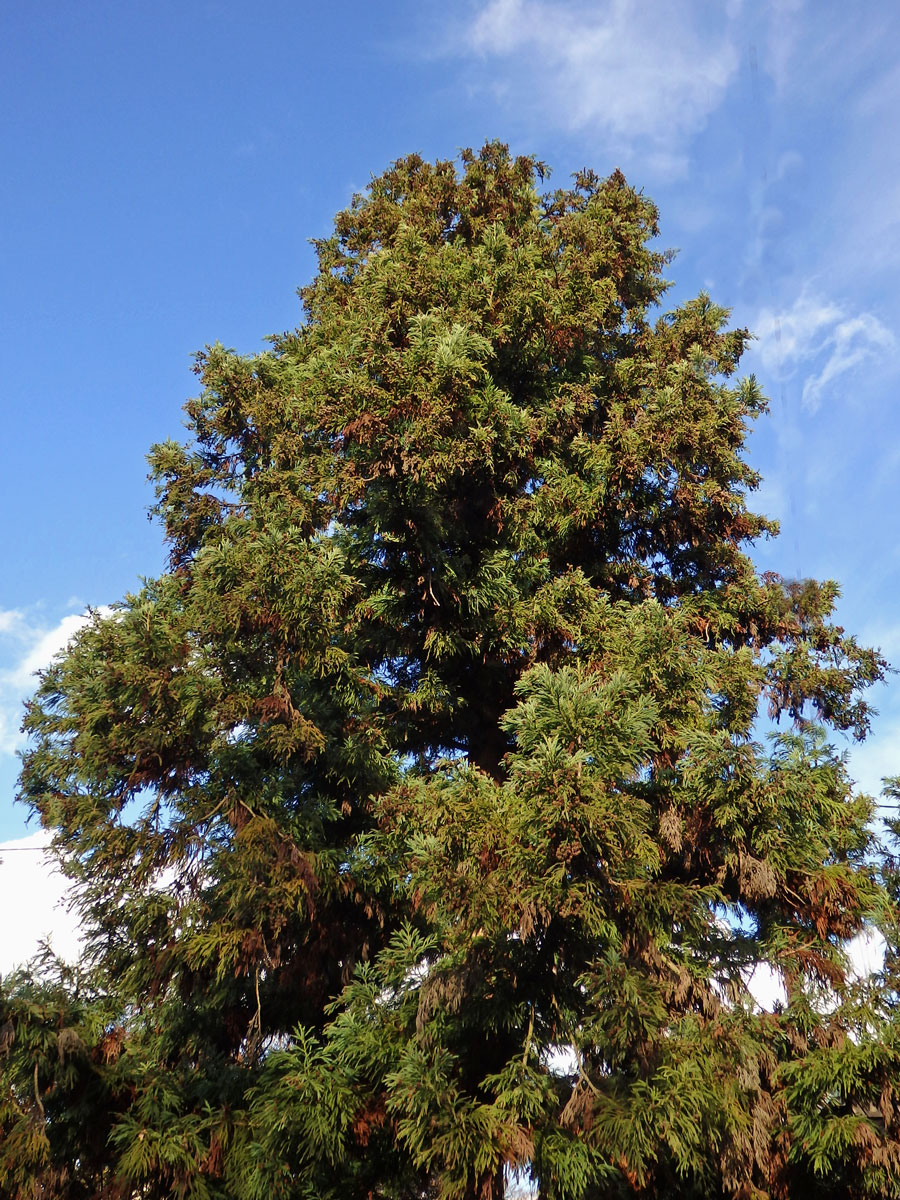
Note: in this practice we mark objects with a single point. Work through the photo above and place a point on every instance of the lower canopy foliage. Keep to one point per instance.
(424, 838)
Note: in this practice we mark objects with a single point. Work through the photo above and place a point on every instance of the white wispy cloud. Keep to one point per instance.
(9, 620)
(26, 646)
(786, 31)
(640, 73)
(820, 338)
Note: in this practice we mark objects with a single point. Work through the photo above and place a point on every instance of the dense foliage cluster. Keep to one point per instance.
(424, 832)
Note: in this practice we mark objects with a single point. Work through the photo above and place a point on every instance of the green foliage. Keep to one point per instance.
(418, 816)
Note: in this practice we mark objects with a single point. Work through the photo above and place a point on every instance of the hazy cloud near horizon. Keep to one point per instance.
(35, 897)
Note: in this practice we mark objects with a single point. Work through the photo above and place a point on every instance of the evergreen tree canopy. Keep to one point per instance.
(422, 827)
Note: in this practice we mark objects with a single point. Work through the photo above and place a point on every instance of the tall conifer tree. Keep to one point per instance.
(423, 832)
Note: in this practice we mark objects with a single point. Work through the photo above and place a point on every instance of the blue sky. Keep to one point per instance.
(164, 165)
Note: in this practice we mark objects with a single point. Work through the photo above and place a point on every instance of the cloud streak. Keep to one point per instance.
(643, 75)
(821, 339)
